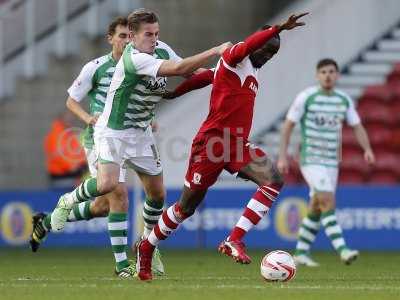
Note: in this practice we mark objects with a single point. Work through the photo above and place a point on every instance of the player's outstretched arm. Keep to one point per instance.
(192, 63)
(76, 108)
(195, 82)
(255, 41)
(363, 140)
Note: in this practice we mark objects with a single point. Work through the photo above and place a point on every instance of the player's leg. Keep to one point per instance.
(106, 181)
(155, 196)
(80, 211)
(118, 230)
(332, 228)
(176, 214)
(110, 153)
(70, 212)
(41, 222)
(264, 173)
(201, 174)
(152, 209)
(90, 209)
(168, 223)
(308, 231)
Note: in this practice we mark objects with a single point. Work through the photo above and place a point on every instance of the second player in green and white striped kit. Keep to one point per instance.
(321, 116)
(93, 82)
(321, 111)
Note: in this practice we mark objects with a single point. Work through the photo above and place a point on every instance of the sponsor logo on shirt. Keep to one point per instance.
(253, 87)
(159, 83)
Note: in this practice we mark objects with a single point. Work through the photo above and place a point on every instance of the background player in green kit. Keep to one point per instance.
(94, 81)
(321, 111)
(123, 136)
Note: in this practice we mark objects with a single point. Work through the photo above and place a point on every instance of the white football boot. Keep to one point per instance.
(60, 214)
(305, 260)
(348, 255)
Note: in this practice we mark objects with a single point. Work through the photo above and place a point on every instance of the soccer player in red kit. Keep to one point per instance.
(222, 143)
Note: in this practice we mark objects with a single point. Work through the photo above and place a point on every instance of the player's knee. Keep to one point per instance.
(120, 193)
(157, 195)
(106, 186)
(325, 200)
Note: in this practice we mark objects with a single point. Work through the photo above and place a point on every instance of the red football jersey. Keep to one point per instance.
(235, 86)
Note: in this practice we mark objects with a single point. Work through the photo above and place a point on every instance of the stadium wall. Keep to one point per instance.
(370, 217)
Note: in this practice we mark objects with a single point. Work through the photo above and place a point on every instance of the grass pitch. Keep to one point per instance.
(88, 274)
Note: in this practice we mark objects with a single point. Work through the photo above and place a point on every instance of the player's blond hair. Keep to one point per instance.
(140, 16)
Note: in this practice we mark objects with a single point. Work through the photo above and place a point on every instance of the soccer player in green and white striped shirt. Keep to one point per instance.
(93, 82)
(123, 135)
(321, 111)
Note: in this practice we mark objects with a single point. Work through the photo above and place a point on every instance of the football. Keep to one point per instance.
(278, 266)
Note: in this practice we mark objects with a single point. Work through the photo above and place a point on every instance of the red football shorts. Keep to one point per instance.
(213, 152)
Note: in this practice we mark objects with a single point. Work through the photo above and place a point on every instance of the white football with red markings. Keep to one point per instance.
(278, 266)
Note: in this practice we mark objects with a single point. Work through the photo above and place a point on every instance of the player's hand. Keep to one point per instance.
(168, 95)
(92, 120)
(369, 156)
(283, 165)
(292, 22)
(221, 48)
(154, 126)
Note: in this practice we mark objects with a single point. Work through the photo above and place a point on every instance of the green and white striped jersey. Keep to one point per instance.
(93, 81)
(135, 90)
(321, 117)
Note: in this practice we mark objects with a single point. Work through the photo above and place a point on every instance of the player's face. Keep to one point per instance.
(327, 76)
(119, 39)
(261, 56)
(146, 37)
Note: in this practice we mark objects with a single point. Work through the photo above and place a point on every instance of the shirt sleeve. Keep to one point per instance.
(145, 64)
(239, 51)
(352, 117)
(195, 82)
(296, 110)
(83, 83)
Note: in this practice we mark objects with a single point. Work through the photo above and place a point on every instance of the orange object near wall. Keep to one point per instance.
(63, 151)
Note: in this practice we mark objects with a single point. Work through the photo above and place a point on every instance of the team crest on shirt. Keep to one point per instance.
(196, 178)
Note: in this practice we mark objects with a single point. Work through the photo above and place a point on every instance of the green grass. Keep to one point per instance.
(87, 274)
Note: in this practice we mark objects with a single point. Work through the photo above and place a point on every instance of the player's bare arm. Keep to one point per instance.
(192, 63)
(283, 164)
(363, 140)
(77, 109)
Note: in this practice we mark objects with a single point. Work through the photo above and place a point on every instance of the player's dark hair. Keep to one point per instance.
(139, 16)
(327, 62)
(113, 25)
